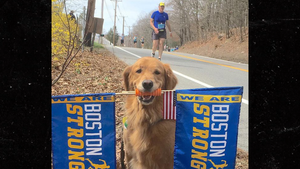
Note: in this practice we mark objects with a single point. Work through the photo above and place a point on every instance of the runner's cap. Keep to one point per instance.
(162, 4)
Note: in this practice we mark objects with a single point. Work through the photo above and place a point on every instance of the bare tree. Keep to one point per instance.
(202, 19)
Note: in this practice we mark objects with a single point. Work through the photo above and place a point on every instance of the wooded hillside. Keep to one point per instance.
(199, 20)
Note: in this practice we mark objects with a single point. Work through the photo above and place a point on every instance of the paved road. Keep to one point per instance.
(195, 71)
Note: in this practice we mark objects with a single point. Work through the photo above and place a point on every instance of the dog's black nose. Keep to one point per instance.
(147, 84)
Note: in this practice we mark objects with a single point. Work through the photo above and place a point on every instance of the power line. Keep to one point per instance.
(120, 10)
(107, 9)
(118, 17)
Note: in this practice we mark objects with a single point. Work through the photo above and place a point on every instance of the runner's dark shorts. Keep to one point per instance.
(122, 41)
(161, 34)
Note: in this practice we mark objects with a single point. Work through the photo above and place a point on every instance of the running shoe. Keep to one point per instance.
(152, 54)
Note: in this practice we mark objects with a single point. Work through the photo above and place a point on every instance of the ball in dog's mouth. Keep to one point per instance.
(146, 100)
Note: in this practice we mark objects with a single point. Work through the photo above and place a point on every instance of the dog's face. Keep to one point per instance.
(147, 75)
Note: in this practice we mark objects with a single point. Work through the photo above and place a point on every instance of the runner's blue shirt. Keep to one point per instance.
(159, 18)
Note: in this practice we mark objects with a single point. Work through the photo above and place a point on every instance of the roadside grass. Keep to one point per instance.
(97, 45)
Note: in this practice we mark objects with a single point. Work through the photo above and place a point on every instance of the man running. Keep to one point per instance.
(122, 40)
(142, 40)
(159, 20)
(134, 41)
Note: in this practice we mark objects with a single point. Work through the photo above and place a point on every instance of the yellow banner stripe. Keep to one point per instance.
(86, 99)
(209, 98)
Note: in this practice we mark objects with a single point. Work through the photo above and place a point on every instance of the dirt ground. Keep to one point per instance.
(227, 49)
(101, 72)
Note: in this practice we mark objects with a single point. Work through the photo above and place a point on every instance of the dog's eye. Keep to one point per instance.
(157, 72)
(139, 71)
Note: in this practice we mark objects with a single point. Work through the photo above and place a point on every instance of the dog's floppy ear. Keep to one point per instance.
(170, 78)
(126, 77)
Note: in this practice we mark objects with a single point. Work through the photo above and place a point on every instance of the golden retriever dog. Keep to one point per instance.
(149, 139)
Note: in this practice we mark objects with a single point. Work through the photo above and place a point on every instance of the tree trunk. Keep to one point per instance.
(197, 20)
(228, 11)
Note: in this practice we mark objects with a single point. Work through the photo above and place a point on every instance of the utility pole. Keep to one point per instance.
(89, 21)
(83, 30)
(115, 21)
(123, 25)
(102, 17)
(94, 34)
(129, 35)
(102, 8)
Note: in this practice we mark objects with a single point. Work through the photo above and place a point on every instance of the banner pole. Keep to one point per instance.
(134, 92)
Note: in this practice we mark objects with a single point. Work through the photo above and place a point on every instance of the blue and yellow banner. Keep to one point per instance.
(207, 127)
(83, 131)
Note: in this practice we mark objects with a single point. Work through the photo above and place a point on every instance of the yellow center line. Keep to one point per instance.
(208, 62)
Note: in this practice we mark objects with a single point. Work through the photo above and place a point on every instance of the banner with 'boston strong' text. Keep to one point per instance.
(83, 131)
(207, 127)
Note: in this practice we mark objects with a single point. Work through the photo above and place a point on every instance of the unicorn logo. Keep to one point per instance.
(98, 166)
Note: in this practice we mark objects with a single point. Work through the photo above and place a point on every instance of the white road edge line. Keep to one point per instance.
(128, 52)
(182, 75)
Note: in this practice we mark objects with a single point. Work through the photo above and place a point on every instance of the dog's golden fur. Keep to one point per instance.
(148, 139)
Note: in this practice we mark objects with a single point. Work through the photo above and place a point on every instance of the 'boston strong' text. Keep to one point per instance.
(218, 136)
(91, 130)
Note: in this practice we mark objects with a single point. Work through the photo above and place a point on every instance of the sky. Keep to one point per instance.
(131, 9)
